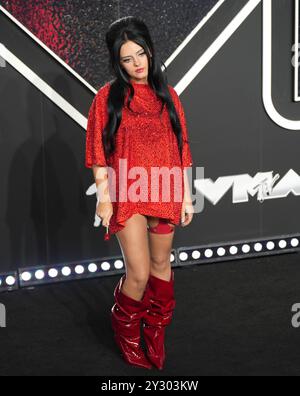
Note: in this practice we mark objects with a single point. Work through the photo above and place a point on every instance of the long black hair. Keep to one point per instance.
(125, 29)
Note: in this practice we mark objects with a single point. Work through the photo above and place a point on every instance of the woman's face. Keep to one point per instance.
(132, 58)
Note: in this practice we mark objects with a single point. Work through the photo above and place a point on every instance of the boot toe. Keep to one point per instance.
(157, 361)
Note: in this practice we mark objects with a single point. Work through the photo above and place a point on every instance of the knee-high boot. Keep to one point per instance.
(161, 295)
(126, 316)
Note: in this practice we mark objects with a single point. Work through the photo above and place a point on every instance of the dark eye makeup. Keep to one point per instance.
(141, 53)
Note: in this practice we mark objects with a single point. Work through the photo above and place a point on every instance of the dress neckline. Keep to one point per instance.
(143, 85)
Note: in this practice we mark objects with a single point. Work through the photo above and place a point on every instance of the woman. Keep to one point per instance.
(138, 119)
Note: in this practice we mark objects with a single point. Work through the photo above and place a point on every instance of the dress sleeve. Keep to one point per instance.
(94, 150)
(187, 159)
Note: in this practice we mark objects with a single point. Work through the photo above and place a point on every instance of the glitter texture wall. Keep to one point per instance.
(75, 30)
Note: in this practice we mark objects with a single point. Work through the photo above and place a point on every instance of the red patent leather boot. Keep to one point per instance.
(126, 316)
(161, 294)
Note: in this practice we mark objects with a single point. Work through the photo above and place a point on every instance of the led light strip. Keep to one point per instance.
(8, 281)
(193, 255)
(69, 271)
(238, 250)
(31, 276)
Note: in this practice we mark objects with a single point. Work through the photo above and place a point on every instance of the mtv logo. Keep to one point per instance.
(2, 316)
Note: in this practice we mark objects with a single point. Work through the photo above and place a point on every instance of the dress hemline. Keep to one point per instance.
(120, 223)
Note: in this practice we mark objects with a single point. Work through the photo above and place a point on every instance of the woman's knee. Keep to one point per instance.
(160, 262)
(138, 280)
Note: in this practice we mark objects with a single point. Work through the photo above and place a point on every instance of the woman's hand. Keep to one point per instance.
(187, 211)
(104, 210)
(104, 207)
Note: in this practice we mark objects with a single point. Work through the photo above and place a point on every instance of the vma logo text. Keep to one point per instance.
(2, 316)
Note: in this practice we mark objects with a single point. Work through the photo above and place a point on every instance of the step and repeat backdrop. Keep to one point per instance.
(242, 112)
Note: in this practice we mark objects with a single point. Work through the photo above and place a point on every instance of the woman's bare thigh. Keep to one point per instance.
(160, 245)
(134, 244)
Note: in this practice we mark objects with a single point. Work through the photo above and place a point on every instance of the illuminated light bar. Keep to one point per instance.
(32, 276)
(222, 251)
(8, 281)
(238, 250)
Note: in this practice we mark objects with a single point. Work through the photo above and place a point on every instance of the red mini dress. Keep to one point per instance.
(147, 171)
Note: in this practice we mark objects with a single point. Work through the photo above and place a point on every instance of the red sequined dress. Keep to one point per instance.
(145, 143)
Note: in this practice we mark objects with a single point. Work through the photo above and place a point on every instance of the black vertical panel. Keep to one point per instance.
(22, 198)
(283, 36)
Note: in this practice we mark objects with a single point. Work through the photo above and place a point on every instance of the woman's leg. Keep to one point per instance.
(160, 290)
(131, 300)
(160, 250)
(133, 241)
